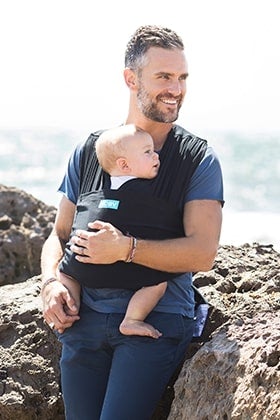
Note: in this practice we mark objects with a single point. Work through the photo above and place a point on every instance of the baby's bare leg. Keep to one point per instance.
(141, 304)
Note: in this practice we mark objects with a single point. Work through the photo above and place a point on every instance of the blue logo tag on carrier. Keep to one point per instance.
(109, 204)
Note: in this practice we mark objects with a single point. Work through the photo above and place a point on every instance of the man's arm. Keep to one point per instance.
(59, 306)
(195, 252)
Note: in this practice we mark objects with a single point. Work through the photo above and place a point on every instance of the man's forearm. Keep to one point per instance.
(51, 255)
(176, 255)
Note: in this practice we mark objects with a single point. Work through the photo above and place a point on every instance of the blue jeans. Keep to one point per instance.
(109, 376)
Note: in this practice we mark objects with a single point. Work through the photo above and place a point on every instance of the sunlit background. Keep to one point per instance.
(61, 78)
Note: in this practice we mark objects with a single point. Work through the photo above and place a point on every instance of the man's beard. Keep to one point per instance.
(151, 110)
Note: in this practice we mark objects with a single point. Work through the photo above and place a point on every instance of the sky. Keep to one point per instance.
(62, 62)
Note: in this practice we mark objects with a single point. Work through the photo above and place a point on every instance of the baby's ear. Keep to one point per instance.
(122, 165)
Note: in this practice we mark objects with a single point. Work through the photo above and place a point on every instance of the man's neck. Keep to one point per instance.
(158, 131)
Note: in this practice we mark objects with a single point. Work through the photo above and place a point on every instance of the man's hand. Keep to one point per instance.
(60, 310)
(104, 246)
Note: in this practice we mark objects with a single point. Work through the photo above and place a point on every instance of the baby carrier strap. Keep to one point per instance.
(179, 157)
(92, 176)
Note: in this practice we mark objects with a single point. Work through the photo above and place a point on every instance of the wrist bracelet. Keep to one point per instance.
(131, 254)
(48, 281)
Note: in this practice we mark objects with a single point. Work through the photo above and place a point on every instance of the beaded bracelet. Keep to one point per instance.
(48, 281)
(133, 245)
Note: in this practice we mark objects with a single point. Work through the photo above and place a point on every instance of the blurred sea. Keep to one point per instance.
(35, 160)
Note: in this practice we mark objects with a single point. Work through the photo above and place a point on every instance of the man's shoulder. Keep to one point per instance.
(93, 137)
(185, 135)
(189, 144)
(88, 145)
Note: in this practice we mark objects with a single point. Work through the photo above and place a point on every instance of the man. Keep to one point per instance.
(106, 375)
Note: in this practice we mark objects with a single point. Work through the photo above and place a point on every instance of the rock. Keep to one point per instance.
(233, 376)
(29, 357)
(235, 373)
(231, 372)
(25, 223)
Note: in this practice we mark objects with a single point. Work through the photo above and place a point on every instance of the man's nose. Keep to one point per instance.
(175, 87)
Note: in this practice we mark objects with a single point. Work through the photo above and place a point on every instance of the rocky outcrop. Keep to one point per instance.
(25, 223)
(29, 356)
(232, 372)
(233, 376)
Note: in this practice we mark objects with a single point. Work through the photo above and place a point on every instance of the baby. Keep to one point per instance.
(126, 153)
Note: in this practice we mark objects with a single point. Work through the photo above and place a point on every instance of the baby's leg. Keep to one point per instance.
(141, 304)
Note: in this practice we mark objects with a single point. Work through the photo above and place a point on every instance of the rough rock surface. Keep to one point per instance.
(232, 372)
(235, 371)
(235, 375)
(29, 355)
(25, 223)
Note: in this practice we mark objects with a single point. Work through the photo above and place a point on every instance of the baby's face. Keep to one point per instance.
(141, 157)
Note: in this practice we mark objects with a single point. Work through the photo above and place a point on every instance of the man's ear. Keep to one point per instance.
(130, 78)
(122, 165)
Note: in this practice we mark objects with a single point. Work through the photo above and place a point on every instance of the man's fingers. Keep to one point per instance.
(79, 250)
(98, 224)
(70, 305)
(81, 236)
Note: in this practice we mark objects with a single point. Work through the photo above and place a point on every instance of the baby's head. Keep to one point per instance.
(127, 150)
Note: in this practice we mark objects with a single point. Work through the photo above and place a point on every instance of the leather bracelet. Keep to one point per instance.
(48, 281)
(132, 250)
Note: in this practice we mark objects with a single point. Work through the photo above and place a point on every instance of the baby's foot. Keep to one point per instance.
(134, 327)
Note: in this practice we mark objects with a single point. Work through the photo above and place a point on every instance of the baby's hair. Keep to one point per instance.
(111, 144)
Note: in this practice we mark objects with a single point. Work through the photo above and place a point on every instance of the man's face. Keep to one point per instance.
(162, 84)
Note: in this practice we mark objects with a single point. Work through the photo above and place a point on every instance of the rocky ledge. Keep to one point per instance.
(231, 372)
(25, 223)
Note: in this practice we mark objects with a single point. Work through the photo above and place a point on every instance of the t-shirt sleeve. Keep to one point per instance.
(207, 180)
(71, 180)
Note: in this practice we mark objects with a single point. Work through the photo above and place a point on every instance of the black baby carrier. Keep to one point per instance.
(143, 208)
